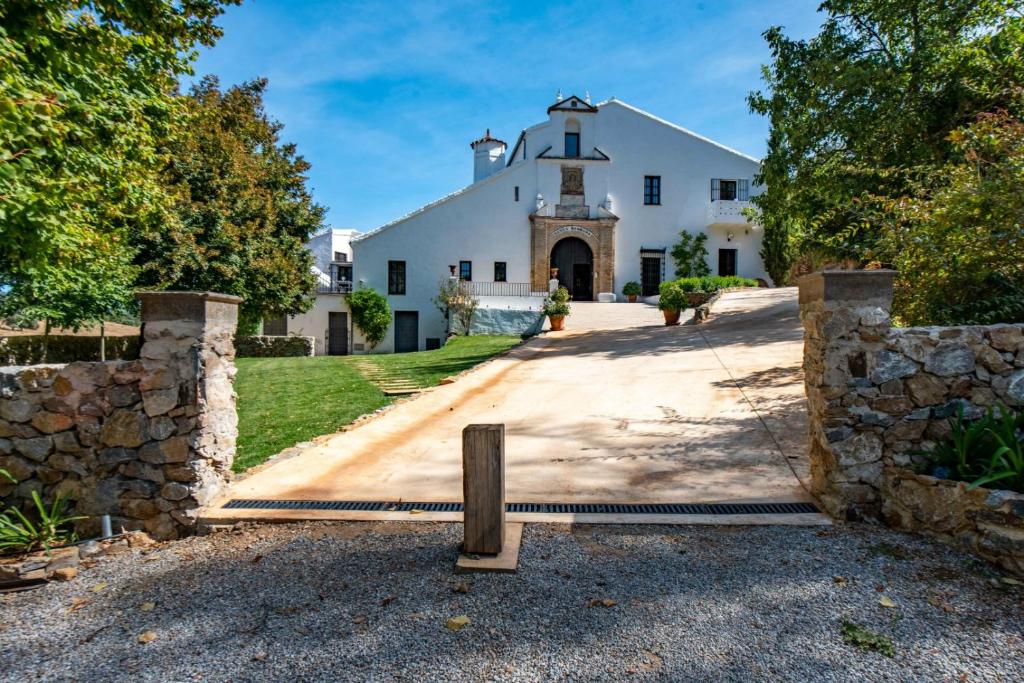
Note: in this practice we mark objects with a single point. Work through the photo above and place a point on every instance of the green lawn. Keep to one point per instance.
(283, 401)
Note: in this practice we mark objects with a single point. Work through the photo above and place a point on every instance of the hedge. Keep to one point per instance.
(28, 349)
(266, 346)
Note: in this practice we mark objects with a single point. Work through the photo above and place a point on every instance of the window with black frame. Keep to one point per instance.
(652, 190)
(466, 271)
(396, 278)
(499, 271)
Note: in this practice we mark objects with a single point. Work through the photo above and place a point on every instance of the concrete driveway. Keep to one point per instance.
(617, 408)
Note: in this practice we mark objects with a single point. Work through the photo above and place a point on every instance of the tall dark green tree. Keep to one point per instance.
(87, 93)
(242, 213)
(863, 110)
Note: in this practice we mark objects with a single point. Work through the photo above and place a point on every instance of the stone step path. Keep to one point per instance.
(390, 383)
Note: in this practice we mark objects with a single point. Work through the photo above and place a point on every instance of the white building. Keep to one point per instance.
(328, 320)
(598, 192)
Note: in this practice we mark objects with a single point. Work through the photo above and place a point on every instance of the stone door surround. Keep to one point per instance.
(598, 233)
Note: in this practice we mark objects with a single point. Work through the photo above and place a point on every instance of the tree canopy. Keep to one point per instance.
(241, 213)
(867, 106)
(86, 96)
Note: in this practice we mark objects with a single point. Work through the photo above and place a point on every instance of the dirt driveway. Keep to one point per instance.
(616, 409)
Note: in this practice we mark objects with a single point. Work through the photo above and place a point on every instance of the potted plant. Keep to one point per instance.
(671, 301)
(632, 291)
(556, 307)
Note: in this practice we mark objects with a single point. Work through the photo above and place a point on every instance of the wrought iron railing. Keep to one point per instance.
(503, 289)
(336, 287)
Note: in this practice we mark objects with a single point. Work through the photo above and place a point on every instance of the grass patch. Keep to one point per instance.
(427, 368)
(283, 401)
(863, 639)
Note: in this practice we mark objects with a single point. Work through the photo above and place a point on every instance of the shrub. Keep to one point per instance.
(632, 288)
(712, 283)
(20, 534)
(672, 297)
(557, 303)
(956, 240)
(370, 313)
(36, 348)
(265, 346)
(455, 299)
(982, 451)
(691, 255)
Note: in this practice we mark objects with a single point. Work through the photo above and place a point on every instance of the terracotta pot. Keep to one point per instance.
(558, 321)
(671, 317)
(632, 298)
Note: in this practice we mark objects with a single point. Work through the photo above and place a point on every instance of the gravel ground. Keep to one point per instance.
(369, 601)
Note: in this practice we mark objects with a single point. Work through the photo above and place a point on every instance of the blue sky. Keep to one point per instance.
(383, 98)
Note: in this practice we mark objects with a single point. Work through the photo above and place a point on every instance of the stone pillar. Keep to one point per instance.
(845, 316)
(188, 373)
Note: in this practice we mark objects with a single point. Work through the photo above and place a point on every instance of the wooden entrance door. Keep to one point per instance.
(575, 263)
(337, 334)
(726, 262)
(407, 331)
(582, 282)
(650, 275)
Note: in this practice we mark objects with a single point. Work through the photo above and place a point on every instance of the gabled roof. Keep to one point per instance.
(678, 128)
(573, 103)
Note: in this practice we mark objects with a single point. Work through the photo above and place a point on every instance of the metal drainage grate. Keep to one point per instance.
(538, 508)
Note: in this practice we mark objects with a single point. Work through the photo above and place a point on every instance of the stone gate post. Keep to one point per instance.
(845, 315)
(188, 371)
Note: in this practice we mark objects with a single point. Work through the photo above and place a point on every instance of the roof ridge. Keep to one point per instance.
(675, 126)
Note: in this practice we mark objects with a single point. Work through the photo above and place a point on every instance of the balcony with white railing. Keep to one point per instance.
(727, 212)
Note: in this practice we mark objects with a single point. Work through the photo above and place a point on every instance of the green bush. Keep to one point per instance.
(712, 283)
(672, 297)
(370, 313)
(33, 349)
(19, 534)
(987, 450)
(632, 288)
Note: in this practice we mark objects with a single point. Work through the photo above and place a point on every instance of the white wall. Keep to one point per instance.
(313, 323)
(483, 223)
(326, 243)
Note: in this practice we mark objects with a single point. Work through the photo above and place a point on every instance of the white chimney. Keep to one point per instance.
(488, 156)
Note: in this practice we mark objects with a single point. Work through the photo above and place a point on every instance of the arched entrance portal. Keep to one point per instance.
(575, 262)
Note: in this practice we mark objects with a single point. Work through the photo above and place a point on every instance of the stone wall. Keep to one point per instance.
(147, 441)
(268, 346)
(987, 523)
(877, 393)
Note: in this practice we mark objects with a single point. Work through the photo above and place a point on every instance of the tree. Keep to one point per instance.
(370, 313)
(241, 210)
(777, 250)
(861, 110)
(690, 255)
(957, 240)
(456, 301)
(86, 94)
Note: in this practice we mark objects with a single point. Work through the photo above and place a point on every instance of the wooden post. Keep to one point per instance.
(483, 488)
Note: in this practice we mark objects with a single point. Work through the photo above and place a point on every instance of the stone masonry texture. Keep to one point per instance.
(147, 441)
(877, 395)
